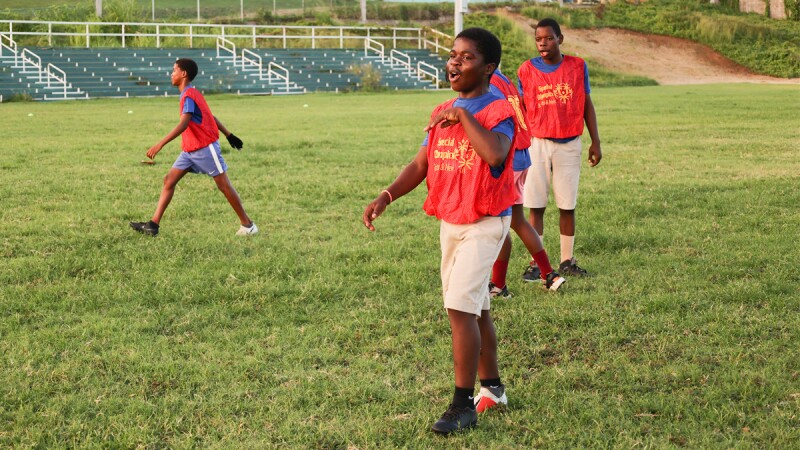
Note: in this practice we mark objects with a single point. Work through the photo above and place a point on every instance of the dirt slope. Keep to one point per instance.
(665, 59)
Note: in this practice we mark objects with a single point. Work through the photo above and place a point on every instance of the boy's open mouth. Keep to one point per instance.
(453, 75)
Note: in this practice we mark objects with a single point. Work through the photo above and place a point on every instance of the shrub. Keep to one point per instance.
(370, 77)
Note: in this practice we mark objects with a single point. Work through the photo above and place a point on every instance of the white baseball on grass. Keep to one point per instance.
(130, 112)
(30, 114)
(305, 105)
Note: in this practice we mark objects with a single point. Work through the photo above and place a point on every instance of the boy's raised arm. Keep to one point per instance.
(490, 146)
(180, 128)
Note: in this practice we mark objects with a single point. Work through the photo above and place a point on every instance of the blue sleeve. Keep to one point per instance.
(188, 106)
(425, 141)
(586, 87)
(505, 127)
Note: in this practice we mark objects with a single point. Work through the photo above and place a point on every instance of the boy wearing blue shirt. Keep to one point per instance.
(199, 131)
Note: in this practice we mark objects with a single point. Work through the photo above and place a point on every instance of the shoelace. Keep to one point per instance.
(453, 412)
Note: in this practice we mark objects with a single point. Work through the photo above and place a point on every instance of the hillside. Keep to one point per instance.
(665, 59)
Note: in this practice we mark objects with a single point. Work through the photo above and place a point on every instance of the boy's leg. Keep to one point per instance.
(468, 252)
(497, 288)
(532, 241)
(566, 177)
(492, 392)
(170, 181)
(537, 220)
(224, 185)
(466, 337)
(487, 363)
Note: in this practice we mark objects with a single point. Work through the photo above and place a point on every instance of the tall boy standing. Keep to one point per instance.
(467, 162)
(555, 90)
(199, 131)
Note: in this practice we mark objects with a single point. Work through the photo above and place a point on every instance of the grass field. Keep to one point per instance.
(319, 334)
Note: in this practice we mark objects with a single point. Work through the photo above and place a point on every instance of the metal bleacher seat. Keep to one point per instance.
(145, 72)
(330, 69)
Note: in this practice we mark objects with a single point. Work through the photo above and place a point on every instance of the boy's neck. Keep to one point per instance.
(182, 85)
(474, 93)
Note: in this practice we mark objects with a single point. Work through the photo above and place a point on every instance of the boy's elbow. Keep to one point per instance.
(498, 160)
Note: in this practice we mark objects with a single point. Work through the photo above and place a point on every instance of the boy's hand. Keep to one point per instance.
(373, 210)
(449, 116)
(153, 151)
(235, 141)
(595, 155)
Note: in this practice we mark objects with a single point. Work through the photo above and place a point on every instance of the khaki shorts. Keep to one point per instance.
(519, 185)
(556, 163)
(468, 253)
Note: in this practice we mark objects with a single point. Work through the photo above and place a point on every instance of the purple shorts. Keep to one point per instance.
(207, 160)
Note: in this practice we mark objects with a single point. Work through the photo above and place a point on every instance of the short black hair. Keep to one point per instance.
(189, 66)
(487, 43)
(548, 22)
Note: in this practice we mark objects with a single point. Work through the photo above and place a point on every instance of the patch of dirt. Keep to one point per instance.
(667, 60)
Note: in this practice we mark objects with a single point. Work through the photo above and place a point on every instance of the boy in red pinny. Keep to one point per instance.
(556, 93)
(466, 161)
(199, 132)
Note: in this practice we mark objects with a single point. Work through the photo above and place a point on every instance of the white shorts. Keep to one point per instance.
(519, 185)
(556, 163)
(468, 253)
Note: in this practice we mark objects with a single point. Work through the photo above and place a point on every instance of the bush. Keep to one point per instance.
(370, 77)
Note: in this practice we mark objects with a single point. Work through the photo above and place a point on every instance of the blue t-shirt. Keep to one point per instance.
(190, 107)
(506, 127)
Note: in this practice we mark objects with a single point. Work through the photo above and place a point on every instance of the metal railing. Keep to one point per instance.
(252, 59)
(440, 43)
(228, 46)
(51, 75)
(398, 58)
(279, 72)
(425, 69)
(375, 46)
(8, 45)
(29, 62)
(276, 36)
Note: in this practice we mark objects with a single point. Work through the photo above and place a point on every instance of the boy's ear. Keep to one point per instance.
(560, 39)
(490, 68)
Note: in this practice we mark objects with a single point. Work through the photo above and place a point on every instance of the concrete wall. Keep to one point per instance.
(775, 8)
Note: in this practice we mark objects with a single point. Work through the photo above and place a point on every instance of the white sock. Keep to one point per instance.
(567, 247)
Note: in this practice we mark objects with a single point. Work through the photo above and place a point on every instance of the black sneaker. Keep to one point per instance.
(456, 419)
(553, 281)
(570, 268)
(149, 227)
(532, 274)
(495, 291)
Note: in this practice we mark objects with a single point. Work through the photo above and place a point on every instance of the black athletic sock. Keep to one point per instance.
(491, 382)
(463, 397)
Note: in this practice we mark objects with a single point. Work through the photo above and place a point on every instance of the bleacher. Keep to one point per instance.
(330, 69)
(145, 72)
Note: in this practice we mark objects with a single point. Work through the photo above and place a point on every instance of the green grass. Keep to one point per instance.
(319, 334)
